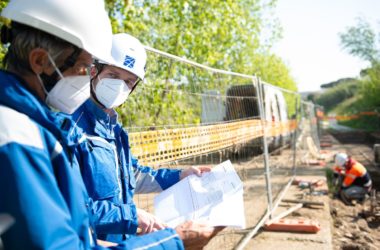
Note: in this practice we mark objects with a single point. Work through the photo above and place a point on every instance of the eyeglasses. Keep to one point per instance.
(83, 70)
(132, 83)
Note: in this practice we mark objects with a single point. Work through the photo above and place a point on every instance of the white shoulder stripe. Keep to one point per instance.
(19, 128)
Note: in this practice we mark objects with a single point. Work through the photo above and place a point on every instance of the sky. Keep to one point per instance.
(311, 45)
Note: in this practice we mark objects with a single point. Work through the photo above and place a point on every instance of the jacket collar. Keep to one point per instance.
(350, 163)
(102, 122)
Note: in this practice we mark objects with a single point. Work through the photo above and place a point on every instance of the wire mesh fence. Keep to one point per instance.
(188, 114)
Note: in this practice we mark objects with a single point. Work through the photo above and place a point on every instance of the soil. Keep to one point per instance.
(354, 226)
(342, 227)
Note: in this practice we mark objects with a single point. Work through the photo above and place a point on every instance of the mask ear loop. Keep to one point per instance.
(55, 66)
(56, 70)
(42, 85)
(68, 63)
(99, 67)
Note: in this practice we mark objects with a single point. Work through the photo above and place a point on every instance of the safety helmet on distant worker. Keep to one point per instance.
(83, 23)
(341, 159)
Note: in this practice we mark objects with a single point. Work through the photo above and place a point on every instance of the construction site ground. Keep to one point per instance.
(341, 226)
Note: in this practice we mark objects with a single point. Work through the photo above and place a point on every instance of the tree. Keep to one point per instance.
(227, 35)
(3, 3)
(211, 32)
(360, 41)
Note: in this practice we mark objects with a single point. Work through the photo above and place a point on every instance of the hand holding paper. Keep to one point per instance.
(196, 235)
(206, 199)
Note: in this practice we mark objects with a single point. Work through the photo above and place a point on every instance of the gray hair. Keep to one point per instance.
(23, 40)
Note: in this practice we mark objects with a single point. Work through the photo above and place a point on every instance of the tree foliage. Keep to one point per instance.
(361, 41)
(230, 35)
(3, 3)
(220, 34)
(334, 96)
(370, 88)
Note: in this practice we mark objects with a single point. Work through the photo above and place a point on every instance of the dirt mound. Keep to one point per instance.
(353, 228)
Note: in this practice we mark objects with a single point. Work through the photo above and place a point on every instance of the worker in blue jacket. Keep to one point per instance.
(110, 172)
(51, 44)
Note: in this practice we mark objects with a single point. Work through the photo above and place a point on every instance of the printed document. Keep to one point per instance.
(216, 198)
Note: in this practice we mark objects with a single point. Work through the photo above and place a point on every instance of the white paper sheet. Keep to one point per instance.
(216, 198)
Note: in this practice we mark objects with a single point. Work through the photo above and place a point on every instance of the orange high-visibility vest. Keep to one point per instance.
(357, 175)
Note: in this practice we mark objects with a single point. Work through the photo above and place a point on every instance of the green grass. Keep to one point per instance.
(355, 105)
(365, 123)
(348, 106)
(329, 177)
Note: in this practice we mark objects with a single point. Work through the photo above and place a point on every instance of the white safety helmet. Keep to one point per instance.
(84, 23)
(341, 159)
(129, 54)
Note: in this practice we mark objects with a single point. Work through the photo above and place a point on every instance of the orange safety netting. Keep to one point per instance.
(167, 145)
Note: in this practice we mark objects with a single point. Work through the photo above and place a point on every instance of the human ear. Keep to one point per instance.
(38, 60)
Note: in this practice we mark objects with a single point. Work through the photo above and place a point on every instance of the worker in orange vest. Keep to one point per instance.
(355, 180)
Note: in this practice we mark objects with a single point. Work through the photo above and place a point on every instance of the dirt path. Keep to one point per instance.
(342, 227)
(320, 214)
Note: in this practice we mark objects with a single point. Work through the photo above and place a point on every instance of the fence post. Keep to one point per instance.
(265, 144)
(295, 140)
(376, 150)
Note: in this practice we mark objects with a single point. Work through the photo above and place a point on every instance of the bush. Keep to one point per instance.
(332, 97)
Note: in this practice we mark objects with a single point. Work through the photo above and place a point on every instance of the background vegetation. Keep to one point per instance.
(334, 94)
(352, 96)
(230, 35)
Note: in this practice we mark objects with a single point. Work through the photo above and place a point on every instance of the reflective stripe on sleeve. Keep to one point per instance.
(368, 184)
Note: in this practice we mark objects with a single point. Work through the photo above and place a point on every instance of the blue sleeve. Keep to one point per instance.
(111, 218)
(160, 240)
(31, 195)
(108, 217)
(149, 180)
(42, 217)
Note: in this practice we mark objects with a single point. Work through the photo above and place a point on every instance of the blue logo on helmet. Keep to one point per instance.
(129, 61)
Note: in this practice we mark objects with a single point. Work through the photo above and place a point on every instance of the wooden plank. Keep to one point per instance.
(285, 213)
(294, 225)
(304, 202)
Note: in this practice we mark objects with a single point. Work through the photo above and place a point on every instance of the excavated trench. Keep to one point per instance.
(356, 144)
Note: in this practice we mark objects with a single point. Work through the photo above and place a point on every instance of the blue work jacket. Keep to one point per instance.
(40, 186)
(111, 174)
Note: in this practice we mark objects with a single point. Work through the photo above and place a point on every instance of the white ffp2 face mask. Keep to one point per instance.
(111, 92)
(69, 93)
